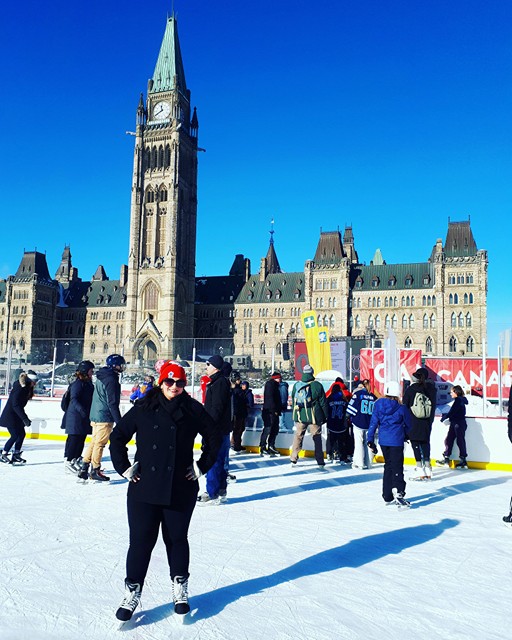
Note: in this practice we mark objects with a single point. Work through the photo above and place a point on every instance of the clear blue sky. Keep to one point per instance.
(391, 116)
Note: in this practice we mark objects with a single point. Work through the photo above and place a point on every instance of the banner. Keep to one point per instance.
(317, 342)
(469, 374)
(372, 365)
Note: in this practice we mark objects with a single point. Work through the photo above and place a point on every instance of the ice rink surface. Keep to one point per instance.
(296, 553)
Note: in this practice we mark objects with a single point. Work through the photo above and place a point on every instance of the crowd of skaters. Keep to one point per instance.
(163, 476)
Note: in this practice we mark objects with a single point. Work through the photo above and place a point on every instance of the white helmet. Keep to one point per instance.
(393, 389)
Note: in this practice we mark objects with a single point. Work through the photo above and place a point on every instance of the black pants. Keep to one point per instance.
(270, 428)
(74, 446)
(238, 431)
(338, 443)
(393, 471)
(16, 439)
(421, 451)
(144, 521)
(456, 432)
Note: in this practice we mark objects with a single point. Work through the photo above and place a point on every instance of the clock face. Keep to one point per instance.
(161, 110)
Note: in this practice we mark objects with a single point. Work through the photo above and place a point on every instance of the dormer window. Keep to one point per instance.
(278, 294)
(250, 295)
(408, 280)
(375, 281)
(296, 294)
(253, 284)
(268, 294)
(392, 281)
(359, 283)
(426, 279)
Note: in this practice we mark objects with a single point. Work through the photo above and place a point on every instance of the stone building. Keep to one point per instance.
(158, 308)
(438, 306)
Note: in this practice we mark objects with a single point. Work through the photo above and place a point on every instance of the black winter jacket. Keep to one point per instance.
(218, 402)
(14, 416)
(420, 428)
(165, 433)
(76, 419)
(272, 397)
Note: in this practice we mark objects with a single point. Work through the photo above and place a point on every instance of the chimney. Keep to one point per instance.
(123, 276)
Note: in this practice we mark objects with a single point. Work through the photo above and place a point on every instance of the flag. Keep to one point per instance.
(317, 342)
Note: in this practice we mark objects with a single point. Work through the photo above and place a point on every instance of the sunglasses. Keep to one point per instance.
(169, 382)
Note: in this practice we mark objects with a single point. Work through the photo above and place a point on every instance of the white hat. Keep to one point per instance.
(393, 389)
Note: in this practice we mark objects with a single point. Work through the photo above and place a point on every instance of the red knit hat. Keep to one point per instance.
(171, 369)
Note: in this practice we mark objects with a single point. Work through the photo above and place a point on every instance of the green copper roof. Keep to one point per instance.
(169, 63)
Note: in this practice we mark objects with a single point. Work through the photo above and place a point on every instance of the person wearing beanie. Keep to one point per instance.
(14, 417)
(270, 415)
(310, 411)
(218, 405)
(76, 417)
(163, 480)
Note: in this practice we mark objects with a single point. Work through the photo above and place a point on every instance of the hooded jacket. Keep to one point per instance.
(13, 415)
(318, 412)
(457, 413)
(389, 417)
(218, 402)
(106, 397)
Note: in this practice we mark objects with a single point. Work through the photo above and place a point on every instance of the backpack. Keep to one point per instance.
(66, 399)
(421, 406)
(303, 397)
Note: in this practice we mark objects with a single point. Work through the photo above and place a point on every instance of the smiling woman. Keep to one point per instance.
(163, 480)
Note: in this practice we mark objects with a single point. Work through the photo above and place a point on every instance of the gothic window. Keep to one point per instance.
(378, 302)
(93, 347)
(262, 348)
(453, 344)
(408, 343)
(167, 156)
(377, 322)
(154, 158)
(260, 329)
(266, 327)
(276, 328)
(358, 322)
(433, 321)
(455, 298)
(403, 301)
(470, 298)
(429, 345)
(469, 278)
(469, 321)
(250, 334)
(407, 302)
(413, 301)
(105, 348)
(411, 321)
(404, 321)
(461, 320)
(387, 322)
(386, 302)
(470, 345)
(369, 302)
(150, 195)
(278, 349)
(453, 322)
(394, 322)
(370, 321)
(395, 302)
(150, 297)
(163, 195)
(147, 158)
(433, 301)
(334, 283)
(424, 301)
(425, 321)
(331, 322)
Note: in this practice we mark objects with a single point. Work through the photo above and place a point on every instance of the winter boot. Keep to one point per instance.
(4, 457)
(180, 595)
(131, 600)
(462, 464)
(445, 462)
(83, 474)
(98, 475)
(17, 459)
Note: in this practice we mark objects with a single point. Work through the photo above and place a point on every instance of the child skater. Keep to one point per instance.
(389, 417)
(457, 430)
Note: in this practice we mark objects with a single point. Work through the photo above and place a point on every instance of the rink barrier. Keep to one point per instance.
(486, 438)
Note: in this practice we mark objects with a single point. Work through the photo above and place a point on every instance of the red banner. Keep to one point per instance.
(372, 365)
(469, 374)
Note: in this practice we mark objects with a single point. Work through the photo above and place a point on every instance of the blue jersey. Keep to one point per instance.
(337, 405)
(360, 408)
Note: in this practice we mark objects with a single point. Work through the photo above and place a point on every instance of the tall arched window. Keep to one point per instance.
(377, 322)
(262, 348)
(453, 320)
(429, 345)
(408, 343)
(404, 321)
(150, 297)
(411, 321)
(470, 345)
(469, 320)
(358, 322)
(433, 321)
(387, 322)
(461, 320)
(425, 321)
(453, 344)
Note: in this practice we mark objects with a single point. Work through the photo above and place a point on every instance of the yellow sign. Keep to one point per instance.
(317, 342)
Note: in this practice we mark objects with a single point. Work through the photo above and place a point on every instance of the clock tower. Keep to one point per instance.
(161, 262)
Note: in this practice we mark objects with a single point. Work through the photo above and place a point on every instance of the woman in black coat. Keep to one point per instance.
(163, 480)
(76, 419)
(14, 417)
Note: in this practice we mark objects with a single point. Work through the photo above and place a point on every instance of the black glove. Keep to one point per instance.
(193, 472)
(373, 448)
(27, 422)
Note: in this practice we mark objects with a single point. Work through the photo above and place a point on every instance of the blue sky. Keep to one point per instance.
(390, 116)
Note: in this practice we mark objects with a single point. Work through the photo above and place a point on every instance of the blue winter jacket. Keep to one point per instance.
(390, 418)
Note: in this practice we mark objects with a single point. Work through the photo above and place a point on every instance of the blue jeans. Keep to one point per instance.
(216, 478)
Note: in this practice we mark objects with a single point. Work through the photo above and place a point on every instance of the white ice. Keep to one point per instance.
(296, 553)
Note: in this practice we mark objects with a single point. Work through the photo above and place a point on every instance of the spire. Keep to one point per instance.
(169, 66)
(65, 272)
(272, 263)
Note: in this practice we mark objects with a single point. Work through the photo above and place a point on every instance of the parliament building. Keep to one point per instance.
(158, 308)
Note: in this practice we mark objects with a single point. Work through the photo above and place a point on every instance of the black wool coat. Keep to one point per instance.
(218, 402)
(419, 428)
(14, 416)
(165, 431)
(76, 419)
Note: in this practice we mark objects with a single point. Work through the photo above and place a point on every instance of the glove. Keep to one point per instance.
(373, 448)
(27, 422)
(193, 472)
(443, 418)
(131, 473)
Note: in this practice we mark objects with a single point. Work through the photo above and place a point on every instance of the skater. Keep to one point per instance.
(218, 405)
(104, 413)
(337, 444)
(163, 487)
(389, 417)
(420, 398)
(457, 417)
(309, 411)
(270, 415)
(14, 417)
(239, 415)
(76, 418)
(142, 388)
(284, 391)
(359, 411)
